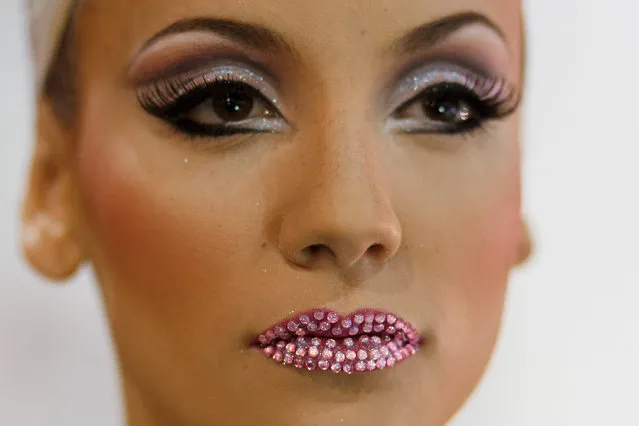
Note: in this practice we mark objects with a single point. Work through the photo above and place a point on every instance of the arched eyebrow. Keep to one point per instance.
(431, 33)
(264, 39)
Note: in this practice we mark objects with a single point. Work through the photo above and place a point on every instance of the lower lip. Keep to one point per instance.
(325, 341)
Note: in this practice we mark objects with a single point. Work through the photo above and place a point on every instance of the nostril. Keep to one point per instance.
(377, 251)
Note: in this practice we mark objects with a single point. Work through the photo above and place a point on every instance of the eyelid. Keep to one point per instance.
(160, 92)
(412, 83)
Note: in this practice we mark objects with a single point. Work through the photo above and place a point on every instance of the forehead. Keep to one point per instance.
(330, 26)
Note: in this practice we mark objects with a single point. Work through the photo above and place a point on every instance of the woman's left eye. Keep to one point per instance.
(444, 108)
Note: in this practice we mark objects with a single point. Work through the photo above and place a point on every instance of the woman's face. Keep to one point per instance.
(240, 162)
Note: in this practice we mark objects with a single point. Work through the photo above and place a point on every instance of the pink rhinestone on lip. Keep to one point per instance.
(381, 364)
(360, 366)
(290, 347)
(336, 368)
(362, 354)
(353, 330)
(268, 351)
(304, 319)
(346, 323)
(292, 326)
(323, 364)
(331, 343)
(348, 342)
(390, 361)
(378, 328)
(312, 326)
(288, 358)
(337, 331)
(324, 326)
(370, 365)
(380, 318)
(390, 319)
(316, 341)
(278, 356)
(327, 354)
(358, 318)
(368, 328)
(370, 318)
(340, 357)
(313, 352)
(318, 315)
(351, 355)
(332, 317)
(347, 368)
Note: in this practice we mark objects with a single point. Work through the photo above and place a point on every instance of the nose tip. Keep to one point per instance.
(354, 246)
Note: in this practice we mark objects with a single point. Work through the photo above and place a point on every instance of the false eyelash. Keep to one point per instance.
(169, 98)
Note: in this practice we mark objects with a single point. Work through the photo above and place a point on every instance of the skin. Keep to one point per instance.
(198, 247)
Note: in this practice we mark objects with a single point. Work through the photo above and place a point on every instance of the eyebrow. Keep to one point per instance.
(430, 33)
(264, 39)
(251, 35)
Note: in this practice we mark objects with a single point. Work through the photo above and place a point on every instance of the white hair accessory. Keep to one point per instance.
(47, 20)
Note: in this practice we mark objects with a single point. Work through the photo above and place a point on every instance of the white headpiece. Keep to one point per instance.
(47, 19)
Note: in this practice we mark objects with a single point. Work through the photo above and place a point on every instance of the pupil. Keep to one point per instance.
(232, 104)
(442, 109)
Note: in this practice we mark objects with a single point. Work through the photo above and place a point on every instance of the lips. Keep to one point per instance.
(324, 340)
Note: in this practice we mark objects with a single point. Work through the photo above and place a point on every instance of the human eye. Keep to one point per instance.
(219, 101)
(450, 99)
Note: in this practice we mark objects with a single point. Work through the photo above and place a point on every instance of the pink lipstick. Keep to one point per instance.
(324, 340)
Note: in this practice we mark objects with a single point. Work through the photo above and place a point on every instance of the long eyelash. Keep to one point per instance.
(169, 98)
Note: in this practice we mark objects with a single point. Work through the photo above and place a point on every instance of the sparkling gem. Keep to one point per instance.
(347, 322)
(360, 366)
(347, 368)
(313, 352)
(378, 328)
(300, 332)
(358, 318)
(310, 364)
(278, 356)
(290, 347)
(332, 317)
(398, 355)
(351, 355)
(364, 339)
(368, 328)
(380, 318)
(381, 363)
(337, 331)
(327, 353)
(299, 362)
(384, 351)
(390, 319)
(340, 357)
(348, 342)
(280, 345)
(301, 341)
(331, 343)
(362, 354)
(263, 339)
(324, 326)
(268, 351)
(353, 330)
(336, 367)
(374, 354)
(318, 315)
(411, 349)
(279, 330)
(405, 353)
(369, 318)
(312, 326)
(399, 325)
(370, 365)
(323, 364)
(292, 326)
(376, 340)
(300, 352)
(316, 341)
(392, 346)
(390, 329)
(390, 361)
(304, 319)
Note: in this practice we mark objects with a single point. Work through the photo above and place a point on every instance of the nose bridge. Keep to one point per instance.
(343, 209)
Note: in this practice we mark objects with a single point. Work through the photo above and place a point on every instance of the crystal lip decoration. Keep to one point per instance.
(323, 340)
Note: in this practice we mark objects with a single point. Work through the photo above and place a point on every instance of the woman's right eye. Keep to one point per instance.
(221, 108)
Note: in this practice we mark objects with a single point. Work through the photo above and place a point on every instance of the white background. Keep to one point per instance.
(570, 344)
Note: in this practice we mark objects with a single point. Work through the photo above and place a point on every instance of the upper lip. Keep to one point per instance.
(321, 322)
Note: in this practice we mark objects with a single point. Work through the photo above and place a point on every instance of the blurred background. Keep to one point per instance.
(570, 343)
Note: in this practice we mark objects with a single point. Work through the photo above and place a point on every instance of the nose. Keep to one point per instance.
(341, 214)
